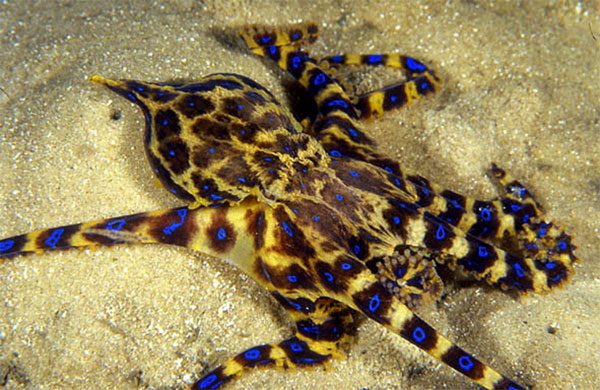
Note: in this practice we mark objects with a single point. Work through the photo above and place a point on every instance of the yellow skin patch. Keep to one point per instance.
(314, 213)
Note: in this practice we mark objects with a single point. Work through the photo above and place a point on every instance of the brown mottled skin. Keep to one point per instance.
(314, 213)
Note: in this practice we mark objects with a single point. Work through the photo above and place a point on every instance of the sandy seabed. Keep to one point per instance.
(522, 88)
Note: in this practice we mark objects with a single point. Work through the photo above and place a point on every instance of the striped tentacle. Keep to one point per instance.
(365, 294)
(322, 326)
(290, 353)
(420, 82)
(257, 37)
(332, 101)
(221, 232)
(336, 127)
(401, 320)
(417, 227)
(490, 220)
(514, 222)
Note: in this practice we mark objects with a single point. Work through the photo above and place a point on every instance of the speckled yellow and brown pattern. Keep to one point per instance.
(318, 216)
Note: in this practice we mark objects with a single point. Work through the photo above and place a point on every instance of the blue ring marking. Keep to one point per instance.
(54, 237)
(356, 249)
(414, 65)
(550, 265)
(296, 60)
(221, 234)
(374, 59)
(485, 214)
(388, 169)
(515, 207)
(6, 245)
(455, 204)
(557, 278)
(314, 329)
(205, 187)
(346, 266)
(296, 347)
(542, 232)
(339, 197)
(315, 218)
(211, 150)
(465, 363)
(396, 220)
(401, 271)
(295, 36)
(115, 225)
(319, 79)
(287, 229)
(531, 246)
(335, 59)
(424, 85)
(165, 122)
(353, 132)
(216, 197)
(292, 278)
(526, 218)
(265, 39)
(268, 159)
(240, 107)
(511, 387)
(562, 246)
(328, 276)
(482, 251)
(252, 354)
(519, 270)
(374, 303)
(132, 97)
(393, 98)
(172, 227)
(418, 334)
(397, 182)
(273, 50)
(171, 153)
(335, 153)
(440, 233)
(338, 103)
(241, 180)
(209, 380)
(354, 174)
